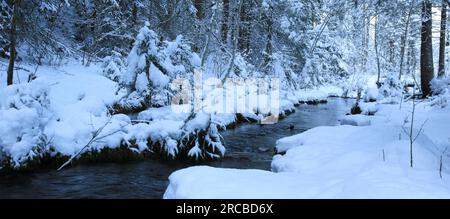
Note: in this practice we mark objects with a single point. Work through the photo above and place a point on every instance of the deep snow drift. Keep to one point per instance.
(367, 159)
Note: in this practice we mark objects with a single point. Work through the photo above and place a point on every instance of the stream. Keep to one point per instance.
(248, 146)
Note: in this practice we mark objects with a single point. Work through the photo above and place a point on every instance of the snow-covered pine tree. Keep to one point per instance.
(136, 79)
(152, 65)
(112, 24)
(391, 90)
(25, 110)
(114, 66)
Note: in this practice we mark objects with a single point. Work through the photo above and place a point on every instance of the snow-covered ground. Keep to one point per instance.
(367, 157)
(67, 108)
(64, 106)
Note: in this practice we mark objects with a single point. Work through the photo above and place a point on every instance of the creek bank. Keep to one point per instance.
(123, 153)
(249, 146)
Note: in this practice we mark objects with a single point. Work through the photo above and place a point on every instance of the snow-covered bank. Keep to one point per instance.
(66, 110)
(347, 161)
(69, 110)
(66, 106)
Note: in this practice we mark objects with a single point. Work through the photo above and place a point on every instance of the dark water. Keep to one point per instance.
(248, 146)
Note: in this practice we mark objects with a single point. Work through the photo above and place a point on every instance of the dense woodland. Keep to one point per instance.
(316, 41)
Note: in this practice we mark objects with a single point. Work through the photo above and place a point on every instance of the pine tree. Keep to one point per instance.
(149, 59)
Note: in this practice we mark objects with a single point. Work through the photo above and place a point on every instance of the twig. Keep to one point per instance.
(441, 162)
(141, 121)
(32, 75)
(420, 130)
(92, 140)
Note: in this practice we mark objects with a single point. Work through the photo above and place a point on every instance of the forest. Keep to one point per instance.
(322, 98)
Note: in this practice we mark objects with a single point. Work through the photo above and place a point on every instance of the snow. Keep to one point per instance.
(356, 120)
(75, 105)
(311, 95)
(303, 96)
(371, 94)
(331, 90)
(215, 183)
(24, 112)
(346, 161)
(439, 86)
(318, 94)
(77, 99)
(369, 108)
(163, 113)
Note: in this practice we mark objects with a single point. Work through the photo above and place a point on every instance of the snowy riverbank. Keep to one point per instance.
(367, 161)
(68, 108)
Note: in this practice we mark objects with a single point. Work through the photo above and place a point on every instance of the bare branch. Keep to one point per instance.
(95, 138)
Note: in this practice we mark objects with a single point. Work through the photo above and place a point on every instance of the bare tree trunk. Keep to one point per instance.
(377, 53)
(391, 52)
(411, 62)
(244, 32)
(402, 55)
(134, 21)
(198, 4)
(404, 38)
(234, 43)
(205, 51)
(134, 16)
(441, 71)
(409, 59)
(269, 46)
(13, 39)
(367, 32)
(426, 49)
(225, 20)
(411, 140)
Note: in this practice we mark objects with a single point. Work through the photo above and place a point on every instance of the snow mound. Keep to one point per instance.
(368, 108)
(311, 96)
(356, 120)
(165, 113)
(24, 112)
(204, 182)
(371, 94)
